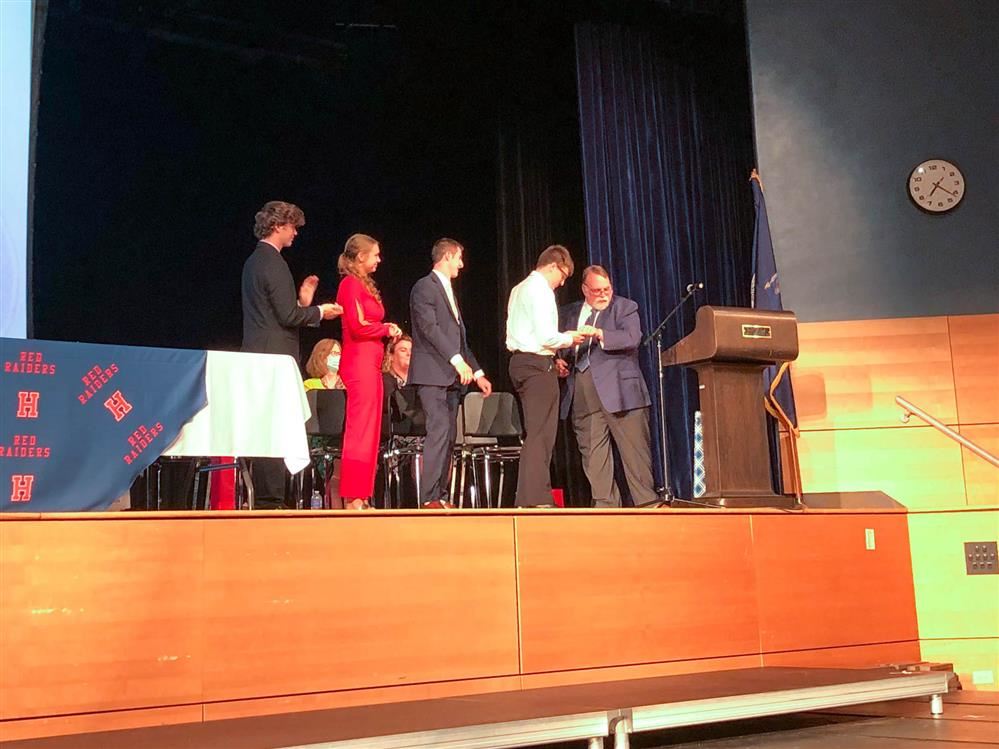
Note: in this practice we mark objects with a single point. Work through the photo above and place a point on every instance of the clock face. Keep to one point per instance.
(936, 186)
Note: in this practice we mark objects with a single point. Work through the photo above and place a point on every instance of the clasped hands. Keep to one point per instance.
(586, 331)
(307, 291)
(578, 336)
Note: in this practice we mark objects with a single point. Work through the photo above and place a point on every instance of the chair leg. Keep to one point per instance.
(489, 481)
(244, 471)
(476, 485)
(499, 488)
(418, 464)
(461, 482)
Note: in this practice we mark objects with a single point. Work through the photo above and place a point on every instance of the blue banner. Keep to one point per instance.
(79, 421)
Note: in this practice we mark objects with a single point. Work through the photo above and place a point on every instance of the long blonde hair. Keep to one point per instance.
(350, 261)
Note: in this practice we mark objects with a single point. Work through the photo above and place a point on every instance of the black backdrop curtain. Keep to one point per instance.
(539, 197)
(667, 150)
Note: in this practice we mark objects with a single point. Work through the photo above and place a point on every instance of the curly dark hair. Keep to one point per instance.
(276, 213)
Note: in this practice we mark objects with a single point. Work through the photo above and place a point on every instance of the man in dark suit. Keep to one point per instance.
(272, 315)
(441, 365)
(605, 392)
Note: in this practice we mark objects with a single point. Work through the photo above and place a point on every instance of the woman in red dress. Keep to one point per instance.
(361, 368)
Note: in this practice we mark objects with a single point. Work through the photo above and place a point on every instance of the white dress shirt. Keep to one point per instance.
(584, 313)
(532, 318)
(449, 293)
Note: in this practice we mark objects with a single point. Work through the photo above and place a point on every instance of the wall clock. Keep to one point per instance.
(936, 186)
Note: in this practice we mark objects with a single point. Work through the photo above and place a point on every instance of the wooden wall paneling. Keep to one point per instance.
(919, 466)
(950, 603)
(819, 587)
(355, 697)
(99, 615)
(634, 589)
(981, 478)
(975, 351)
(642, 671)
(856, 656)
(298, 605)
(848, 373)
(968, 657)
(119, 720)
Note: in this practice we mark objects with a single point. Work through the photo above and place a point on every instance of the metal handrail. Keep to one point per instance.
(911, 410)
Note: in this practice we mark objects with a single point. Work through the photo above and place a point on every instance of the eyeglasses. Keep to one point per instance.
(605, 291)
(564, 272)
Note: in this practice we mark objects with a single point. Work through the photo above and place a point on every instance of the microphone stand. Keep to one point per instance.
(657, 335)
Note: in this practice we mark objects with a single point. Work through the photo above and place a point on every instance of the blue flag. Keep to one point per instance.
(765, 290)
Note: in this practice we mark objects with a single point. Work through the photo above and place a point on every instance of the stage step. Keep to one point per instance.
(586, 712)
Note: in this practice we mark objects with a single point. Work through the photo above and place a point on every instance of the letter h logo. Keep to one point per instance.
(27, 404)
(20, 489)
(117, 405)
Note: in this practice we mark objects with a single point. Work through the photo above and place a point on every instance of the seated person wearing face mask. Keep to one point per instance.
(323, 370)
(323, 366)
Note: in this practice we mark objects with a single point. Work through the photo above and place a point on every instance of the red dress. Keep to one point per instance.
(361, 371)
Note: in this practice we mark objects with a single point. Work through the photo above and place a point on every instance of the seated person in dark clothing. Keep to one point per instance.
(402, 410)
(396, 365)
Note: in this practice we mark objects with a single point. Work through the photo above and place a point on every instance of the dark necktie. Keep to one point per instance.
(583, 354)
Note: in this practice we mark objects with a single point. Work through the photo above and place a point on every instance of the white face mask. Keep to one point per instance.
(333, 362)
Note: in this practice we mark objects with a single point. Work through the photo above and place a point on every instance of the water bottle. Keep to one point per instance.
(316, 502)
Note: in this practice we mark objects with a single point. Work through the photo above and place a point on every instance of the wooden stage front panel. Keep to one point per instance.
(633, 588)
(326, 604)
(127, 619)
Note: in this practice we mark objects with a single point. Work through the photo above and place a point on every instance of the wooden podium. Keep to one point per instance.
(729, 348)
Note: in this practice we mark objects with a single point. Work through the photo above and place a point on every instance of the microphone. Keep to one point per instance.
(692, 286)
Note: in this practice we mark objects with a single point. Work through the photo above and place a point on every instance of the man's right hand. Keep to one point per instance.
(464, 372)
(562, 368)
(330, 310)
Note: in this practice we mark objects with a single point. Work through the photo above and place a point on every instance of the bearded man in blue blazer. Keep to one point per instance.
(605, 392)
(441, 365)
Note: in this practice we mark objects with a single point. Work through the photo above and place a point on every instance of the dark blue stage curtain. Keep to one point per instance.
(667, 151)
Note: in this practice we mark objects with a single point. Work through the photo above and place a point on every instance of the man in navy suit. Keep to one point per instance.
(440, 366)
(605, 391)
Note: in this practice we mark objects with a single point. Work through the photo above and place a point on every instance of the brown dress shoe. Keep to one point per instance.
(438, 504)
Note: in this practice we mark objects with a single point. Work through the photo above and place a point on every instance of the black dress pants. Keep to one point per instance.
(269, 483)
(536, 382)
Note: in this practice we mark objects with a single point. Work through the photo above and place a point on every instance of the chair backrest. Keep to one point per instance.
(329, 410)
(496, 416)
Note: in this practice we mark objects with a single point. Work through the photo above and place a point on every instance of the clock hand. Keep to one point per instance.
(946, 190)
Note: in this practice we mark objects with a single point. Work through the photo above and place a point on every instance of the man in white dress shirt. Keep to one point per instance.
(533, 338)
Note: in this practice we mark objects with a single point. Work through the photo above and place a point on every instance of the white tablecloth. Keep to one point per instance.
(256, 409)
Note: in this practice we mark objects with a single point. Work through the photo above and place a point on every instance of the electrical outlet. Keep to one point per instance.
(980, 557)
(869, 539)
